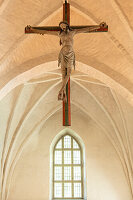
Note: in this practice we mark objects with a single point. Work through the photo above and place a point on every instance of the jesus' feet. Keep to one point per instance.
(60, 96)
(64, 97)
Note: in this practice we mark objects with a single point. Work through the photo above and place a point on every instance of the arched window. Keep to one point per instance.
(67, 169)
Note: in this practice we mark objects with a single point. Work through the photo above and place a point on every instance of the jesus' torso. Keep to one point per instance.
(67, 38)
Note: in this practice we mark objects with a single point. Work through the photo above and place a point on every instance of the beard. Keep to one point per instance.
(65, 30)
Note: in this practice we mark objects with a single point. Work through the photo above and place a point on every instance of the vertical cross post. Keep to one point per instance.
(67, 106)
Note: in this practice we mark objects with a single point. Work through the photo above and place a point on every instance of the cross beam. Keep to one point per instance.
(57, 28)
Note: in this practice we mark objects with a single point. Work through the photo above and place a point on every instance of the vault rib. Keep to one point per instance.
(123, 150)
(124, 125)
(15, 136)
(122, 16)
(3, 5)
(16, 98)
(87, 81)
(108, 135)
(24, 142)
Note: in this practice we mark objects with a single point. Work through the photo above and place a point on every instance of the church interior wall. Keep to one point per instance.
(104, 173)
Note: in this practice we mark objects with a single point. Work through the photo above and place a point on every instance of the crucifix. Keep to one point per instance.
(66, 56)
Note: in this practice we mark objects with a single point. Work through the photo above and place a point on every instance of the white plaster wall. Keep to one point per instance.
(105, 176)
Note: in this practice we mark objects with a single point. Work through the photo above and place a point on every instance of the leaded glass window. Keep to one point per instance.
(67, 169)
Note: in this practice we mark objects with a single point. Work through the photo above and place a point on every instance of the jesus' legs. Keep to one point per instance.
(62, 93)
(65, 77)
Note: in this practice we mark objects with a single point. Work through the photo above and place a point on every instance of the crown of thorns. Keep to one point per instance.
(64, 22)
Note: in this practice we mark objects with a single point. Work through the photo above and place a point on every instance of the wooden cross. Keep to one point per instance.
(66, 17)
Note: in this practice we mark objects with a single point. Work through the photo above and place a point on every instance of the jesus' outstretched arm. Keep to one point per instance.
(40, 30)
(90, 29)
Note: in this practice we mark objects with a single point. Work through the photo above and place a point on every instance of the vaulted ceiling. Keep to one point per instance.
(30, 79)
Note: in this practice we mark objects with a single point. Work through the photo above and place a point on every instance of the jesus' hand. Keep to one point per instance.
(28, 29)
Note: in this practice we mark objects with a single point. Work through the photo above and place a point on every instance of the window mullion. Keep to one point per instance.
(72, 166)
(63, 167)
(82, 187)
(53, 173)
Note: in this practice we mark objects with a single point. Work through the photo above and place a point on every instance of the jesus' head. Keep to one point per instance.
(64, 26)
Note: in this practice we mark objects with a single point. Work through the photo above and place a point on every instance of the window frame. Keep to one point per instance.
(72, 181)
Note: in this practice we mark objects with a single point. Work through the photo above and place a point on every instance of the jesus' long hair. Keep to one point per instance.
(67, 28)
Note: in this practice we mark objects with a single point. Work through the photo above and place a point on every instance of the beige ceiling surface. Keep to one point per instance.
(109, 53)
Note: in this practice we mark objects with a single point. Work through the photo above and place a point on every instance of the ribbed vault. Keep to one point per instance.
(31, 104)
(101, 85)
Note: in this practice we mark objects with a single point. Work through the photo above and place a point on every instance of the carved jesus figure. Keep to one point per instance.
(66, 56)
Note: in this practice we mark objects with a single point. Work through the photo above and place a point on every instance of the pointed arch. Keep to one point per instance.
(67, 166)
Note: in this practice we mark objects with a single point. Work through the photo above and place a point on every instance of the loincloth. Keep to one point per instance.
(66, 57)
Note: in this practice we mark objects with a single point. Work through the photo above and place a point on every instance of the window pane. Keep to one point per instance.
(57, 173)
(67, 190)
(77, 173)
(77, 190)
(59, 145)
(67, 169)
(58, 157)
(67, 157)
(57, 190)
(76, 157)
(67, 173)
(75, 145)
(67, 142)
